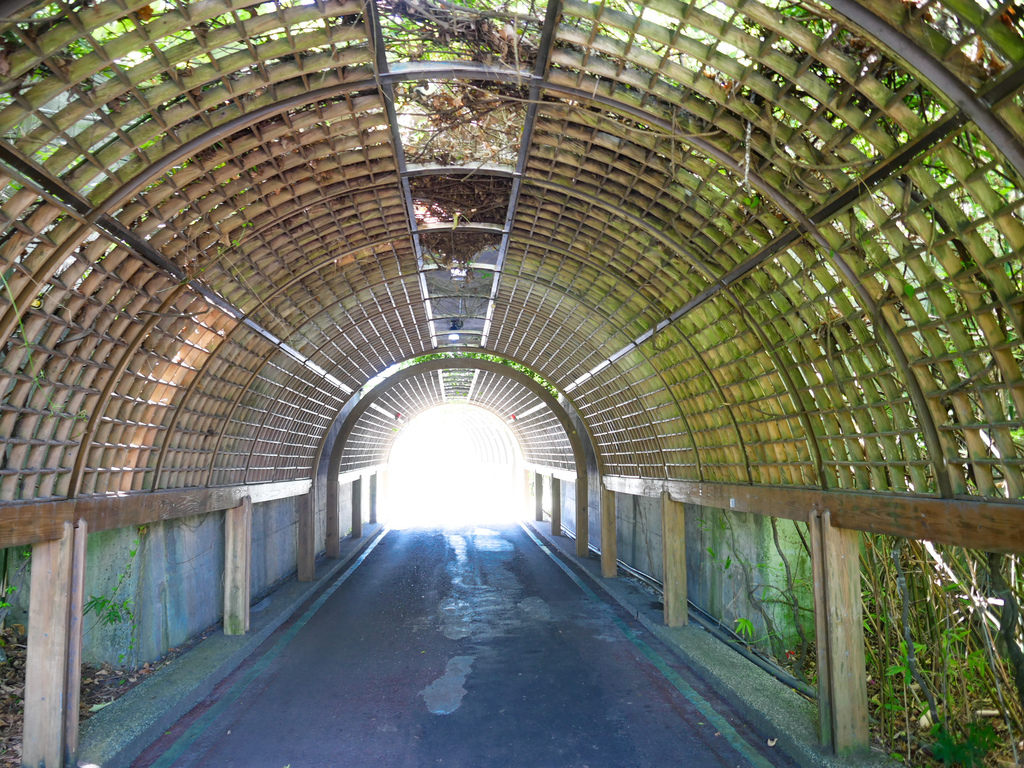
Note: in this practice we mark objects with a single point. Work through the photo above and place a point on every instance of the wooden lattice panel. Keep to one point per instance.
(753, 243)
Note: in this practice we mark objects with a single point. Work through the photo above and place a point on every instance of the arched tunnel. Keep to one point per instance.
(731, 290)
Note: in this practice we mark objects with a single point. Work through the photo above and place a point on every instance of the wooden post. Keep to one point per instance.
(842, 674)
(307, 537)
(76, 619)
(556, 506)
(609, 544)
(357, 508)
(538, 497)
(373, 498)
(48, 657)
(333, 543)
(237, 567)
(673, 542)
(582, 515)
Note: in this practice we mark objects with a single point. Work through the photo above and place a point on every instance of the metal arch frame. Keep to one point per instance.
(375, 39)
(177, 411)
(336, 437)
(975, 105)
(316, 267)
(99, 410)
(266, 360)
(552, 13)
(801, 412)
(470, 402)
(229, 334)
(464, 71)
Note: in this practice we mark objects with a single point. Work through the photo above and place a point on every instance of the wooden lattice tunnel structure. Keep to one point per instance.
(767, 256)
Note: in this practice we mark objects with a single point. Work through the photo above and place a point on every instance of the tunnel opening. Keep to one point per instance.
(453, 465)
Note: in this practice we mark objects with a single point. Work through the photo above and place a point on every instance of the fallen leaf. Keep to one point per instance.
(98, 707)
(145, 13)
(772, 742)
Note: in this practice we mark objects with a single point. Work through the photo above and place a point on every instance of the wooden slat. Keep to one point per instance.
(988, 525)
(32, 522)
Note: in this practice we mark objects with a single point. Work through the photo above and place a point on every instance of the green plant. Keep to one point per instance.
(980, 739)
(110, 610)
(745, 628)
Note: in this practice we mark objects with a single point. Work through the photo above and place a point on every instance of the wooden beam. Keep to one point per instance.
(237, 567)
(673, 542)
(34, 521)
(609, 542)
(556, 506)
(46, 667)
(993, 526)
(357, 508)
(538, 497)
(307, 538)
(333, 543)
(76, 619)
(838, 611)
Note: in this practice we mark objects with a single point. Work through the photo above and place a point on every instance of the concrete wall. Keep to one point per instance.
(734, 569)
(569, 506)
(172, 575)
(638, 533)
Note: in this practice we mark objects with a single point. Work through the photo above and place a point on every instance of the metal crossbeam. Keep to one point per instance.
(547, 41)
(57, 193)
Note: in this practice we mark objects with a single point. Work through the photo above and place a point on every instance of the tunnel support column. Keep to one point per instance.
(237, 567)
(357, 508)
(673, 541)
(538, 497)
(53, 665)
(307, 537)
(609, 544)
(842, 682)
(556, 506)
(333, 544)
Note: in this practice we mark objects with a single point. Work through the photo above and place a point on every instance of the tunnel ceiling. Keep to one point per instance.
(768, 242)
(536, 428)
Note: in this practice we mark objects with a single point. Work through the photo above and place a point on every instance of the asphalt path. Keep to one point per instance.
(467, 647)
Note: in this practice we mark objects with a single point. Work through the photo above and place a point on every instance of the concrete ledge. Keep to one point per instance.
(117, 734)
(775, 709)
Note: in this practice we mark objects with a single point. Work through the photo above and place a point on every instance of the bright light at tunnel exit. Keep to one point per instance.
(455, 465)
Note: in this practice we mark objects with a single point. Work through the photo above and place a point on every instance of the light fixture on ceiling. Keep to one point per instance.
(455, 326)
